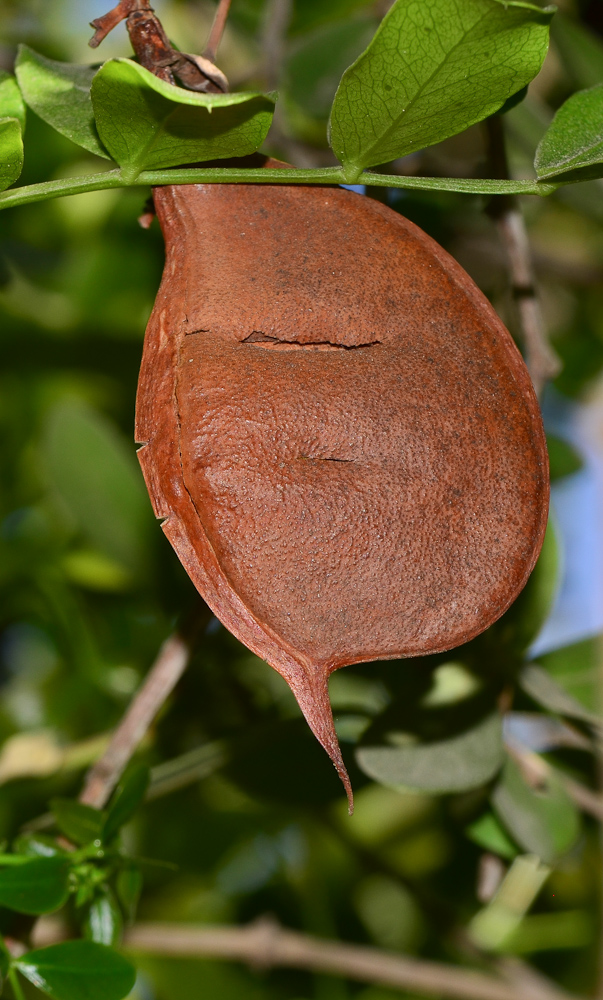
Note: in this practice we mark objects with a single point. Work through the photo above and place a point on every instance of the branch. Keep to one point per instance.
(217, 30)
(542, 362)
(158, 685)
(264, 944)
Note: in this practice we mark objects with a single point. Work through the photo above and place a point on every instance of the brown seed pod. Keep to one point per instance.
(338, 430)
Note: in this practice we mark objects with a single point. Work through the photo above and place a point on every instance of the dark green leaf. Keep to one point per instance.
(523, 621)
(581, 51)
(127, 797)
(78, 970)
(431, 71)
(147, 124)
(82, 824)
(4, 966)
(544, 821)
(564, 460)
(97, 478)
(12, 104)
(11, 151)
(465, 760)
(60, 94)
(129, 885)
(103, 921)
(572, 148)
(545, 690)
(38, 886)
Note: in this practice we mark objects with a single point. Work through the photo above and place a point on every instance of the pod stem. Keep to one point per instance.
(311, 691)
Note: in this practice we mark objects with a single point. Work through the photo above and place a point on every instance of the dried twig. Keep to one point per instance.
(264, 944)
(543, 364)
(158, 685)
(217, 30)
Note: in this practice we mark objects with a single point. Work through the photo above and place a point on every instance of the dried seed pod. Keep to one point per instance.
(338, 430)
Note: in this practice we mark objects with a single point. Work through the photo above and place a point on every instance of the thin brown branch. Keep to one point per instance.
(542, 362)
(264, 945)
(217, 30)
(158, 685)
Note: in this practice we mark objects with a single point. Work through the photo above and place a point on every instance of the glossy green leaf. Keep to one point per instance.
(81, 824)
(11, 151)
(543, 821)
(12, 104)
(432, 70)
(546, 691)
(572, 148)
(60, 94)
(95, 474)
(37, 845)
(148, 124)
(78, 970)
(38, 886)
(127, 797)
(465, 760)
(103, 921)
(581, 51)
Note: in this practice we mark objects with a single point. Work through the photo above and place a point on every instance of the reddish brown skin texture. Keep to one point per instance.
(338, 430)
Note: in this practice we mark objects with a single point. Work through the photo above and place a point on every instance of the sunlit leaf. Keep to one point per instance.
(489, 834)
(148, 124)
(432, 70)
(78, 970)
(11, 151)
(38, 886)
(543, 820)
(572, 148)
(60, 94)
(546, 691)
(465, 760)
(12, 104)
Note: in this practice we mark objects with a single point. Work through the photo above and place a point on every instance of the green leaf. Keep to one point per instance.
(59, 93)
(82, 824)
(97, 479)
(432, 70)
(148, 124)
(38, 886)
(127, 797)
(546, 691)
(11, 151)
(78, 970)
(37, 845)
(103, 921)
(520, 625)
(564, 460)
(544, 821)
(461, 762)
(129, 885)
(572, 147)
(489, 834)
(12, 104)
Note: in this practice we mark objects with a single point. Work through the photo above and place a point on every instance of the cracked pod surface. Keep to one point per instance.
(338, 430)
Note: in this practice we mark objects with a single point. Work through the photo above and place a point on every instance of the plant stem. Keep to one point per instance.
(217, 30)
(110, 179)
(15, 984)
(264, 944)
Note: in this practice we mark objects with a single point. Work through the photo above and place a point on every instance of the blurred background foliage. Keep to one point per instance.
(244, 808)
